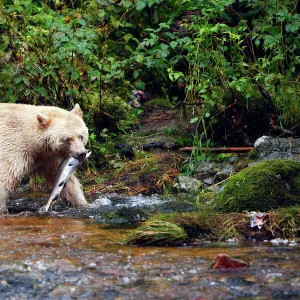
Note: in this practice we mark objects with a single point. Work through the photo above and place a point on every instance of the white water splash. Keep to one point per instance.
(126, 201)
(103, 200)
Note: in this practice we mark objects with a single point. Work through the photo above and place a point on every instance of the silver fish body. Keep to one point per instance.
(65, 170)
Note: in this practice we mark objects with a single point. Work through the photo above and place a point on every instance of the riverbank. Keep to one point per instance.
(216, 196)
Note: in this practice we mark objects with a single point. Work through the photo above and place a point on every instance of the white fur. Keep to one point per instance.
(35, 139)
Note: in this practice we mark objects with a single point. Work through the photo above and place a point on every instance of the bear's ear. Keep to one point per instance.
(77, 110)
(43, 120)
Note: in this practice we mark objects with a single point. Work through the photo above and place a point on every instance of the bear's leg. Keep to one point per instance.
(73, 193)
(3, 199)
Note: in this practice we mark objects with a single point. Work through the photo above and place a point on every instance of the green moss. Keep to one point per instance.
(297, 182)
(265, 186)
(205, 196)
(157, 102)
(285, 222)
(252, 154)
(157, 232)
(197, 223)
(290, 212)
(280, 223)
(110, 104)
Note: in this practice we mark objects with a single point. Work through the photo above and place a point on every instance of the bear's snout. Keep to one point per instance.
(77, 149)
(81, 156)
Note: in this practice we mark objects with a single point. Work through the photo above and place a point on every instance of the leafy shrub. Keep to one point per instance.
(217, 52)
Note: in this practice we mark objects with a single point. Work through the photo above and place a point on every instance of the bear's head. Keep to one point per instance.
(63, 131)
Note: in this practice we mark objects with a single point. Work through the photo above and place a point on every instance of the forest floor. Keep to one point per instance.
(151, 158)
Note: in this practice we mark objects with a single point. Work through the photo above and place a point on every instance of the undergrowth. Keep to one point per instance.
(283, 223)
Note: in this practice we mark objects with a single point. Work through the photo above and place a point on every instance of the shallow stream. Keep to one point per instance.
(67, 258)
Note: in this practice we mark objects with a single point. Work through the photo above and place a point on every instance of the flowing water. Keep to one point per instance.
(68, 258)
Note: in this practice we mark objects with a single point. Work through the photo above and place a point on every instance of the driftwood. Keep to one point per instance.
(218, 150)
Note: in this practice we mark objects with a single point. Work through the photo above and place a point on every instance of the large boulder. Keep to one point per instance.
(268, 148)
(261, 187)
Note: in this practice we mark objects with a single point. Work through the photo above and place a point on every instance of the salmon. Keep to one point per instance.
(65, 170)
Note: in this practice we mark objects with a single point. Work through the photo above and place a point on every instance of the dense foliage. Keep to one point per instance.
(204, 54)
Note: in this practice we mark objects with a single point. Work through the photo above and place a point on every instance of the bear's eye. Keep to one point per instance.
(80, 137)
(67, 139)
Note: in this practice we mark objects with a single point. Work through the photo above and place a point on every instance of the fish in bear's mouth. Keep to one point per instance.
(65, 170)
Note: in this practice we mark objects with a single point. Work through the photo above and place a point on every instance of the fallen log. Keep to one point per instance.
(218, 150)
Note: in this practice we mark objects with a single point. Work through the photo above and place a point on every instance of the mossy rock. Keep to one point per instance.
(197, 223)
(262, 187)
(177, 206)
(125, 216)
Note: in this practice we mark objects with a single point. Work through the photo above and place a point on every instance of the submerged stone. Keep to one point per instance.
(126, 216)
(262, 187)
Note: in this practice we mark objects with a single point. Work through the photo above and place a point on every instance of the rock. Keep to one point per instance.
(125, 216)
(262, 187)
(211, 172)
(225, 172)
(209, 181)
(187, 184)
(268, 148)
(206, 166)
(224, 261)
(233, 159)
(179, 205)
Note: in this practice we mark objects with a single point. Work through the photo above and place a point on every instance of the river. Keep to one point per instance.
(66, 258)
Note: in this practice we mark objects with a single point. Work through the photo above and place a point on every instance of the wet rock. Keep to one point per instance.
(187, 184)
(32, 203)
(268, 148)
(212, 172)
(205, 167)
(126, 150)
(125, 216)
(177, 206)
(233, 159)
(208, 181)
(111, 209)
(224, 261)
(225, 172)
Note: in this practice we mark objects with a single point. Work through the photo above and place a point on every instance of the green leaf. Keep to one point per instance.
(26, 80)
(136, 74)
(194, 120)
(292, 27)
(174, 44)
(140, 5)
(75, 75)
